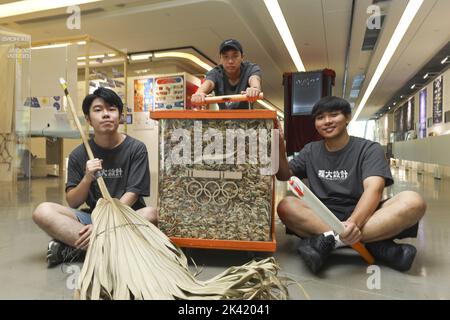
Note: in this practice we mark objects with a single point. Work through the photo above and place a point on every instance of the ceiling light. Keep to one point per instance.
(429, 74)
(59, 45)
(277, 16)
(98, 56)
(405, 21)
(97, 62)
(140, 56)
(416, 85)
(183, 55)
(142, 71)
(81, 43)
(29, 6)
(446, 60)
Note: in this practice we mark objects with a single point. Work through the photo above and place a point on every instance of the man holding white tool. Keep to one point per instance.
(120, 159)
(232, 76)
(348, 174)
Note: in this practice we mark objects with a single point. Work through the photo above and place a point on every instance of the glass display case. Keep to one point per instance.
(15, 61)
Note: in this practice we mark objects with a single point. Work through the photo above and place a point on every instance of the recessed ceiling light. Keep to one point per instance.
(29, 6)
(280, 22)
(428, 74)
(141, 56)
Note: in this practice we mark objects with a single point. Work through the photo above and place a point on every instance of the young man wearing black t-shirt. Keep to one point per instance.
(232, 76)
(348, 174)
(120, 159)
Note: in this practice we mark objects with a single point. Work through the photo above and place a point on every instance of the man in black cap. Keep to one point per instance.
(232, 76)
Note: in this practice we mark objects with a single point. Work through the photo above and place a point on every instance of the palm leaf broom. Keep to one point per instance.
(130, 258)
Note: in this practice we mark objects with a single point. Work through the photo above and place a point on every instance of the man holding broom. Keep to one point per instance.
(121, 160)
(348, 174)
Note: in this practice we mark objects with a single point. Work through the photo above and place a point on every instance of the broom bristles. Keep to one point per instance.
(130, 258)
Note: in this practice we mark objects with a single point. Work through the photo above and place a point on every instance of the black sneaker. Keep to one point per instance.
(315, 251)
(397, 256)
(58, 252)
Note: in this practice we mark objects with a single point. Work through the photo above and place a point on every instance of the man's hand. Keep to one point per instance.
(351, 233)
(252, 93)
(92, 166)
(83, 240)
(198, 99)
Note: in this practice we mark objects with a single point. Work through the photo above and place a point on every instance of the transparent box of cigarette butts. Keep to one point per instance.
(216, 179)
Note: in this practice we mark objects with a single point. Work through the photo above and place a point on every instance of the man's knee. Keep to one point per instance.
(283, 208)
(41, 213)
(288, 208)
(415, 203)
(150, 214)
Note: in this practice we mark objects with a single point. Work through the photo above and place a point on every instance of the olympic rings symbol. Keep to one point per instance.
(212, 191)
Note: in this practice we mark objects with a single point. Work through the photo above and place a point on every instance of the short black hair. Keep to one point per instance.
(329, 104)
(108, 95)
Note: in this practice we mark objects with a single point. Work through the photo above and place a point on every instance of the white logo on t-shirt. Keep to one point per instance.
(111, 173)
(333, 175)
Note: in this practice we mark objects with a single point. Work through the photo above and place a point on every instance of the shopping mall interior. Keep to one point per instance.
(389, 59)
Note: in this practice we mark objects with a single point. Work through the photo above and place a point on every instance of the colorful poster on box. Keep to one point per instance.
(143, 95)
(169, 93)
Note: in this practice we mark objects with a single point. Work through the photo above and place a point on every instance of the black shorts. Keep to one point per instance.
(410, 232)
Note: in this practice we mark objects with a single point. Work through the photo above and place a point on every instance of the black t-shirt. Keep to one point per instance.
(222, 85)
(336, 178)
(125, 169)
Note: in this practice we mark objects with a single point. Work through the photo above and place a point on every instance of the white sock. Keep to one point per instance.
(338, 243)
(328, 233)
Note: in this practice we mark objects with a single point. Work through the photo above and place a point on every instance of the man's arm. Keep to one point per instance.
(254, 82)
(77, 196)
(254, 88)
(369, 201)
(284, 172)
(199, 97)
(138, 179)
(129, 198)
(366, 206)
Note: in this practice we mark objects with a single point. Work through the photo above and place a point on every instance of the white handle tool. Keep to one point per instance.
(306, 195)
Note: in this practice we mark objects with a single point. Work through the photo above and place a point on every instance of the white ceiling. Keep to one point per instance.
(320, 29)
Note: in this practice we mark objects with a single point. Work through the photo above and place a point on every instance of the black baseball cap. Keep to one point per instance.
(230, 43)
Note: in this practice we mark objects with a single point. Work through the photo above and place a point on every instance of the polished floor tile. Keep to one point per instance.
(24, 275)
